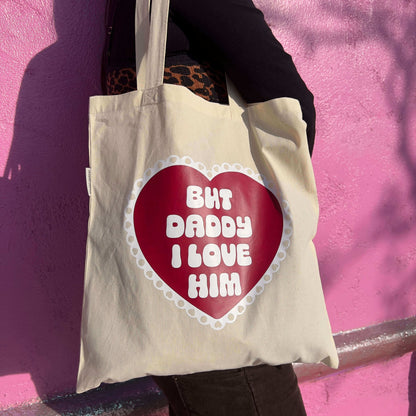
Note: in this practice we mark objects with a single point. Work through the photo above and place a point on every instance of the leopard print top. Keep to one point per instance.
(201, 78)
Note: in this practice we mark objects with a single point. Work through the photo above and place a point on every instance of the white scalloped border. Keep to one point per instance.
(159, 284)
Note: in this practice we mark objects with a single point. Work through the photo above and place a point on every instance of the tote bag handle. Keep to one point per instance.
(151, 41)
(151, 48)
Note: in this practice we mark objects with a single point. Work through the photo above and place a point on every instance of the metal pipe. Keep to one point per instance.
(365, 346)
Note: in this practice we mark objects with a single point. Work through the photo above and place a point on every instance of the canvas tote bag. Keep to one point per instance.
(199, 252)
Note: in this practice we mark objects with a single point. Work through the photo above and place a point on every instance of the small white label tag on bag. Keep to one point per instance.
(88, 179)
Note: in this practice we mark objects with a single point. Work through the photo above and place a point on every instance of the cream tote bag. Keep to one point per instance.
(199, 252)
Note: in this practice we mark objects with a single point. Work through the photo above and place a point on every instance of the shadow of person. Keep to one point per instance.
(45, 203)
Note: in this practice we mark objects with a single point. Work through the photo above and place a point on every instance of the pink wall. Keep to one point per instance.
(377, 390)
(358, 57)
(49, 54)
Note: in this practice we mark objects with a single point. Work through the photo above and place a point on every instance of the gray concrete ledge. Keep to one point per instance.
(140, 397)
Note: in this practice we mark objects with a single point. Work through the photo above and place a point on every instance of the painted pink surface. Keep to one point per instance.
(358, 57)
(378, 390)
(50, 58)
(359, 60)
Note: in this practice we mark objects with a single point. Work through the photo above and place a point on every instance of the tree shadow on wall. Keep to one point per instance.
(377, 23)
(45, 203)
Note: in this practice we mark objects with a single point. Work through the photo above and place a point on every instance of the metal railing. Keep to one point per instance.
(356, 348)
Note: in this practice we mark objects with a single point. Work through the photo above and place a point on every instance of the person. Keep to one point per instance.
(206, 39)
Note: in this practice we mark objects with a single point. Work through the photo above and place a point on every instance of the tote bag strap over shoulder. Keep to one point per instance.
(151, 41)
(151, 35)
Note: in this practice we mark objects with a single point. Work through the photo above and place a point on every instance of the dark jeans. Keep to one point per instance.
(251, 391)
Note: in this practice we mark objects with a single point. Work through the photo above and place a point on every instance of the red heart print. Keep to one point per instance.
(210, 240)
